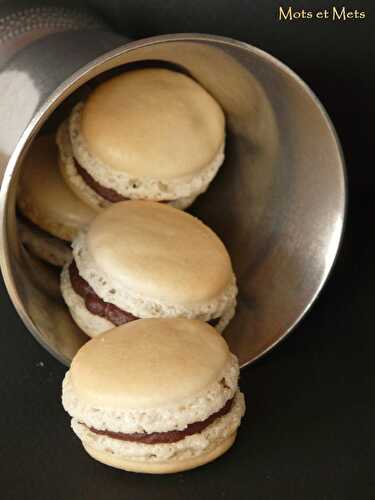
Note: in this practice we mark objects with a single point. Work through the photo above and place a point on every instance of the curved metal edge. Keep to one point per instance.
(86, 73)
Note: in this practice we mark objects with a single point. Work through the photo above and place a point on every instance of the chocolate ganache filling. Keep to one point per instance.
(98, 306)
(95, 304)
(106, 193)
(169, 436)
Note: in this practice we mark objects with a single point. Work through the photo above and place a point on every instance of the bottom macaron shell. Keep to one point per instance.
(226, 317)
(89, 323)
(191, 448)
(166, 467)
(185, 202)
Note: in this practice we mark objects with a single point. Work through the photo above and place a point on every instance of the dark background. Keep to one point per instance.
(309, 428)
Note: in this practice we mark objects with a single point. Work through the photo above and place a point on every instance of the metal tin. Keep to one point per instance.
(278, 202)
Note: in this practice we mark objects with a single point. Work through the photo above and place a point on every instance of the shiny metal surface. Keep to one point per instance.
(278, 202)
(21, 26)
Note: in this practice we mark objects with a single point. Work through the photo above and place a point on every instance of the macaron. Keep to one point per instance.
(43, 245)
(155, 396)
(152, 134)
(52, 214)
(143, 259)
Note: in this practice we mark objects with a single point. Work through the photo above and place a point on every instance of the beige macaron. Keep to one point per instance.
(149, 134)
(155, 396)
(142, 259)
(43, 245)
(54, 215)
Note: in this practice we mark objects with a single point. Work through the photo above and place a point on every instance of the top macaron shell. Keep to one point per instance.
(146, 256)
(43, 196)
(147, 134)
(153, 123)
(149, 364)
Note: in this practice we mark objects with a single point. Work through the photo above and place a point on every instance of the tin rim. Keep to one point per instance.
(92, 69)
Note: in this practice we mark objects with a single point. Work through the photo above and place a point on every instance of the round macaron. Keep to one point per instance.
(52, 214)
(155, 395)
(142, 259)
(150, 134)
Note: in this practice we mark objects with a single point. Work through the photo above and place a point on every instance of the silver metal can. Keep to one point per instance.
(278, 202)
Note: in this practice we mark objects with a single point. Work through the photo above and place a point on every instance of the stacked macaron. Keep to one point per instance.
(50, 215)
(155, 396)
(156, 389)
(146, 136)
(150, 134)
(142, 259)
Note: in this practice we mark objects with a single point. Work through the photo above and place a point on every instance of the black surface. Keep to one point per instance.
(309, 428)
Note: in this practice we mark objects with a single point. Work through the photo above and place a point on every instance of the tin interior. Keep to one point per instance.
(278, 201)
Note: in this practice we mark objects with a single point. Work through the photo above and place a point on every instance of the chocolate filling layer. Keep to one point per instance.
(95, 304)
(170, 436)
(106, 193)
(98, 306)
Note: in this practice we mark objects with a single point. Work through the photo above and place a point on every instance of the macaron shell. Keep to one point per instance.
(167, 467)
(44, 197)
(44, 246)
(163, 254)
(153, 123)
(149, 363)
